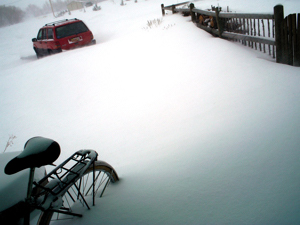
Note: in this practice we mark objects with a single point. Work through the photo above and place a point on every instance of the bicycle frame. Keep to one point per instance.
(61, 182)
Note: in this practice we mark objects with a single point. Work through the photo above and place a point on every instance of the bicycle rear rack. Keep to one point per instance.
(64, 176)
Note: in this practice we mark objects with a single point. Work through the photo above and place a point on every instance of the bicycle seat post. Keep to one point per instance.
(30, 183)
(28, 198)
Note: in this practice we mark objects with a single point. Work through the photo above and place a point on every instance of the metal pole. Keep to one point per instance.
(30, 182)
(29, 191)
(106, 184)
(93, 183)
(52, 8)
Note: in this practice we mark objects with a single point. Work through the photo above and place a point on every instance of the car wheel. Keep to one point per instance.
(37, 52)
(50, 52)
(53, 51)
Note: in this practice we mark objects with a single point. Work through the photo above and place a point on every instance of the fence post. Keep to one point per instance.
(163, 9)
(297, 41)
(219, 22)
(278, 16)
(290, 40)
(193, 15)
(173, 9)
(294, 37)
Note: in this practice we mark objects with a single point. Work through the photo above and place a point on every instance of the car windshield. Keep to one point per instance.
(70, 29)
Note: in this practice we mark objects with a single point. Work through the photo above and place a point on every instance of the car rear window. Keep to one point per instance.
(70, 29)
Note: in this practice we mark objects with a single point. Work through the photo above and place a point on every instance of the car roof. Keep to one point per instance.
(61, 22)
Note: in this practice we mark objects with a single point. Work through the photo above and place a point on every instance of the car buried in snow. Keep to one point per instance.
(62, 35)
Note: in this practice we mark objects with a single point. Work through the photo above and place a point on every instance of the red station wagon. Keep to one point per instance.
(63, 34)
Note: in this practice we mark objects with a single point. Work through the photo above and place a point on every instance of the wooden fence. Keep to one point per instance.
(270, 33)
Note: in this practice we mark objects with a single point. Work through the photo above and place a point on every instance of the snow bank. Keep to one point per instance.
(199, 129)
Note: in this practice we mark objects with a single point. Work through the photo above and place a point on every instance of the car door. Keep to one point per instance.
(38, 42)
(50, 41)
(41, 43)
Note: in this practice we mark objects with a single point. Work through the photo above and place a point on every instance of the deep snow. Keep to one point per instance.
(200, 130)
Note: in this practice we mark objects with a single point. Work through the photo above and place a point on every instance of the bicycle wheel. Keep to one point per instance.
(104, 174)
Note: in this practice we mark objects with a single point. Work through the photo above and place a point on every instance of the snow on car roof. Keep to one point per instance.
(60, 22)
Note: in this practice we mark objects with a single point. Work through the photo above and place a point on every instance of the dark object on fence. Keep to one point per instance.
(269, 32)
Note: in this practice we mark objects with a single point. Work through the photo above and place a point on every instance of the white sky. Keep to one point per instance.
(23, 3)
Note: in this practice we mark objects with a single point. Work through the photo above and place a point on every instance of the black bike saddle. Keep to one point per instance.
(38, 151)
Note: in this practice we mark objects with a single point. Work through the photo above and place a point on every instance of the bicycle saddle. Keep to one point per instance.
(38, 151)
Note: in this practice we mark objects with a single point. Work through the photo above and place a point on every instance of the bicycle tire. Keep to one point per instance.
(100, 167)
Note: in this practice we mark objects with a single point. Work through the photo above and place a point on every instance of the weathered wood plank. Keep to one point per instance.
(204, 12)
(235, 15)
(290, 39)
(294, 37)
(182, 10)
(256, 39)
(208, 29)
(278, 17)
(297, 47)
(285, 54)
(246, 15)
(169, 7)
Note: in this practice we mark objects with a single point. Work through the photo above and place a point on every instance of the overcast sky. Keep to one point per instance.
(22, 3)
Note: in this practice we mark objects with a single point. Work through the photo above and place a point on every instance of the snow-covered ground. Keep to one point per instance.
(200, 130)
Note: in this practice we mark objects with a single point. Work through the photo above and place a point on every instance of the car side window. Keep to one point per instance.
(44, 35)
(39, 37)
(50, 33)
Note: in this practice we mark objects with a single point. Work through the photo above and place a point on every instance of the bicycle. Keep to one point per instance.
(79, 176)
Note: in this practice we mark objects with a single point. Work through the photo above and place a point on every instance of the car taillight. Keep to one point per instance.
(57, 45)
(92, 36)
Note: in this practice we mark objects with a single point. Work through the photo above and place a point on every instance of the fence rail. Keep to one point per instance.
(256, 30)
(246, 15)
